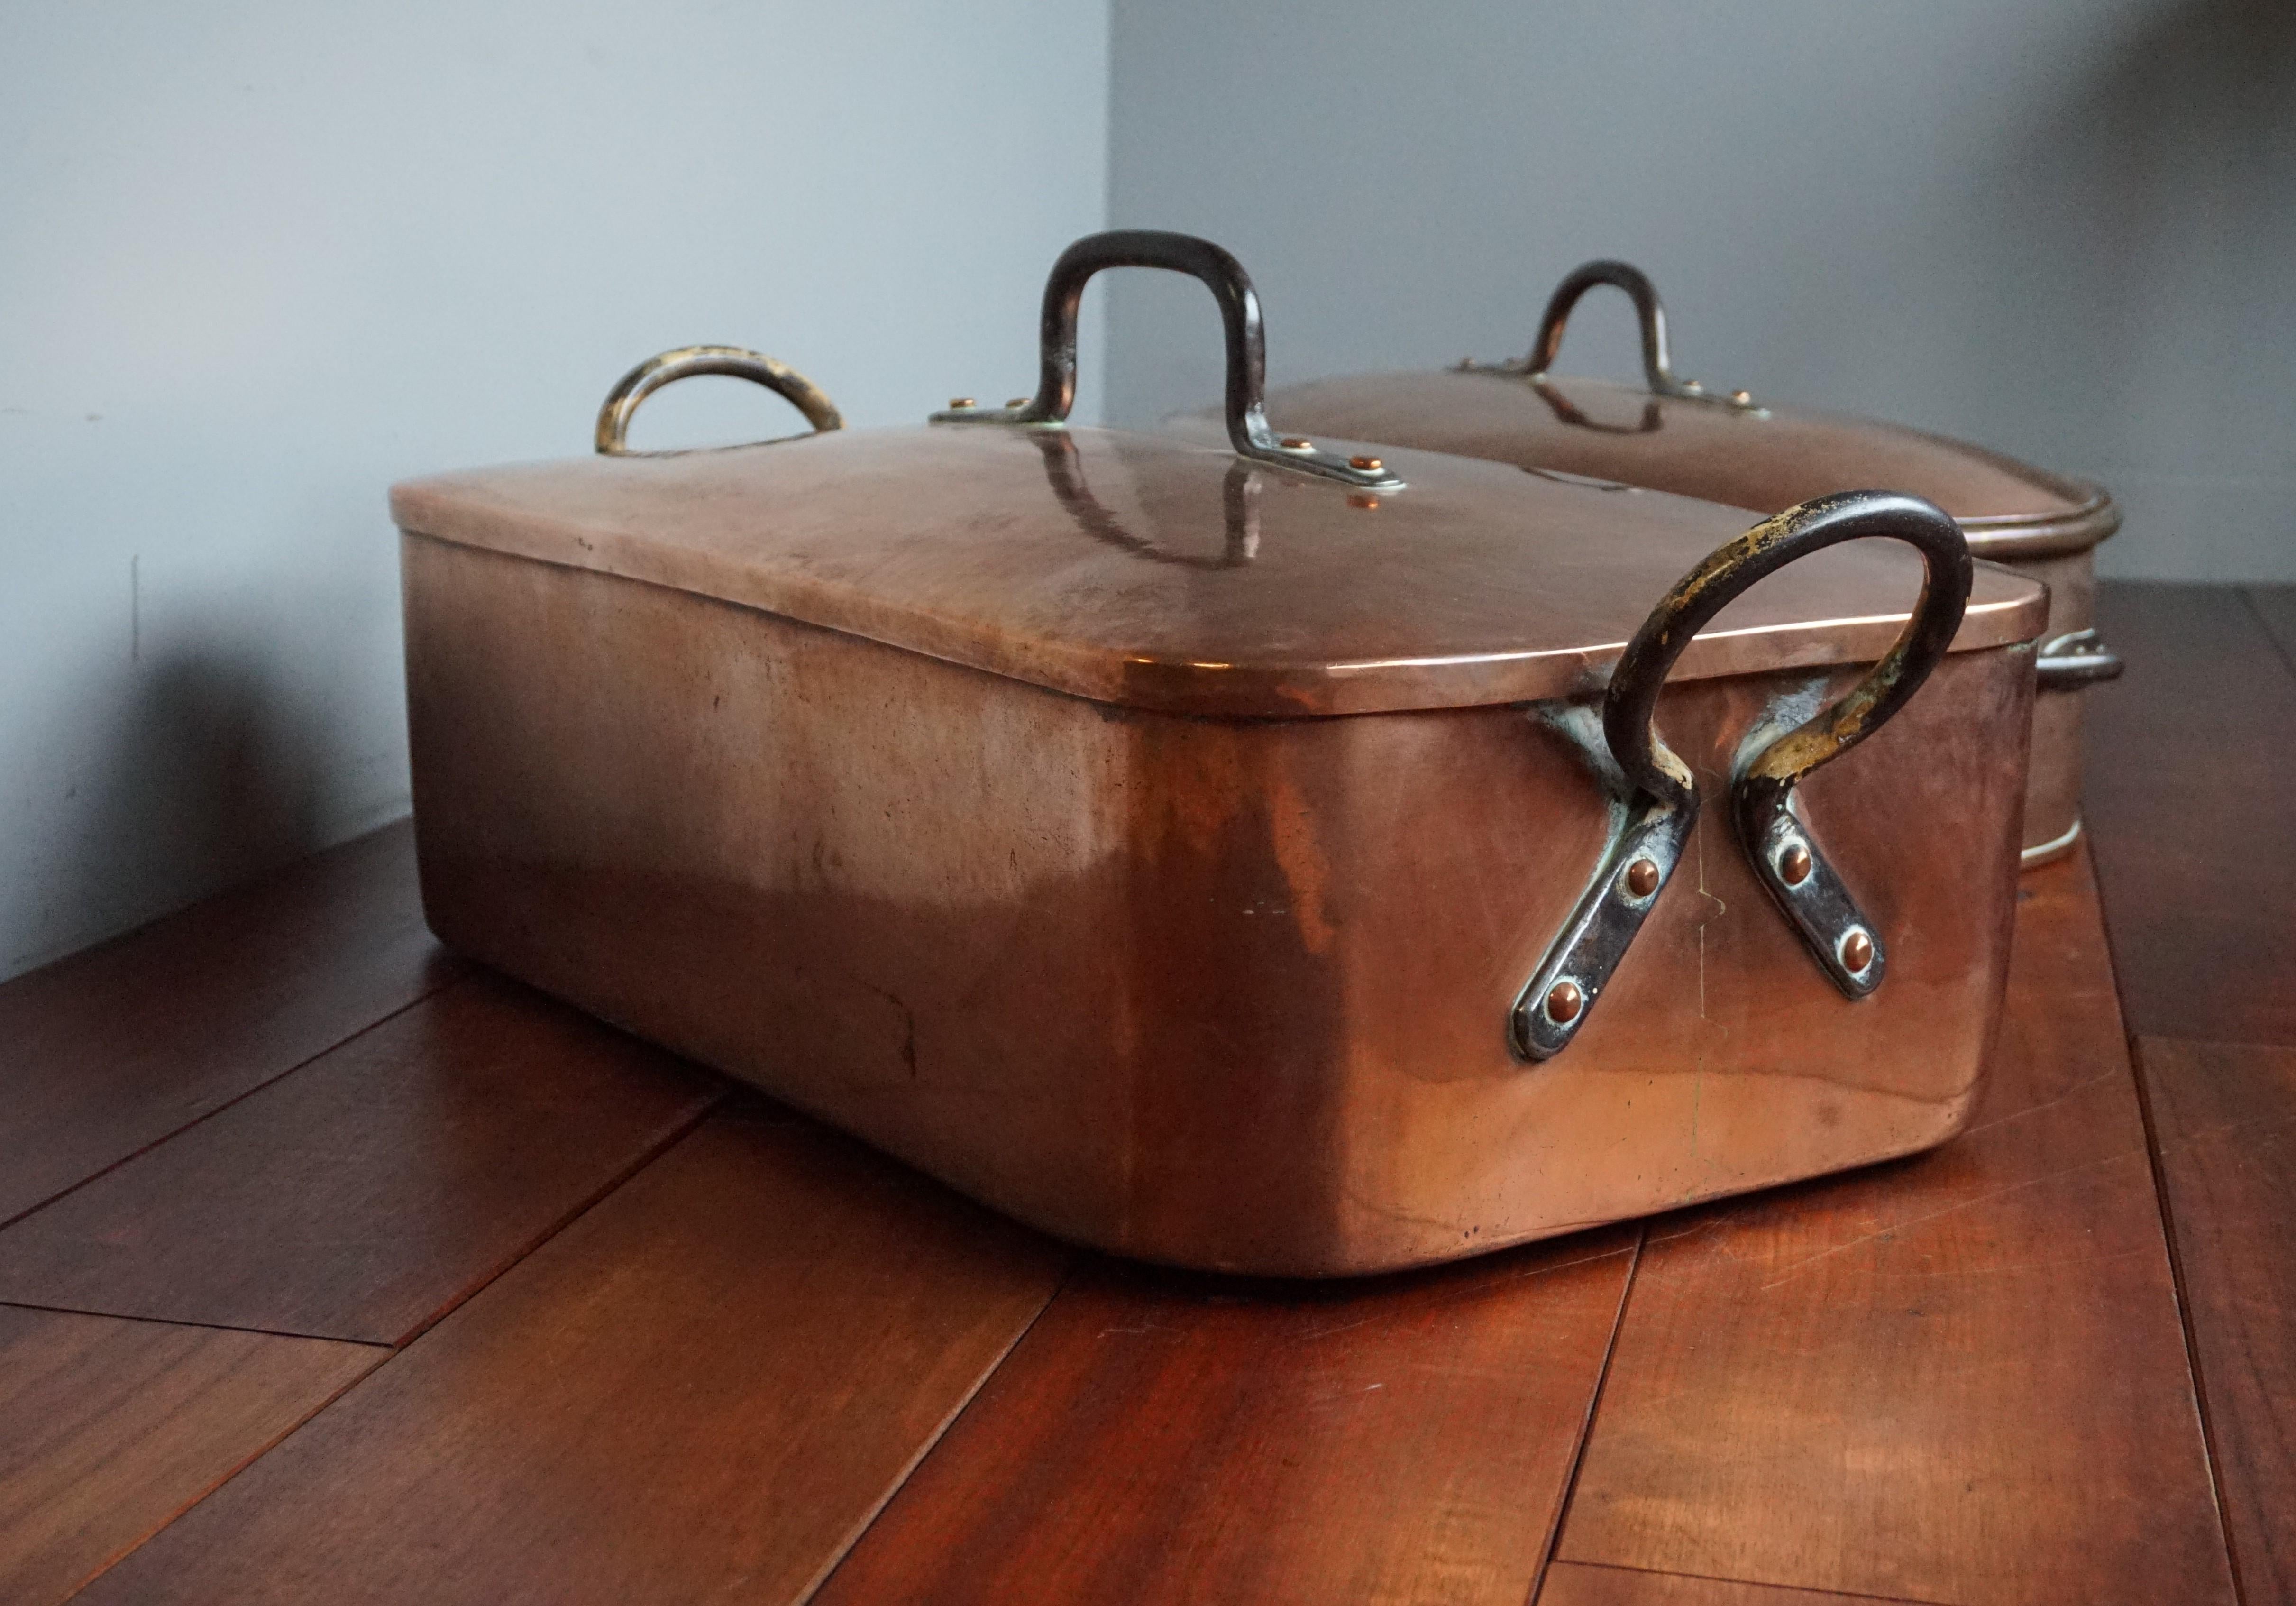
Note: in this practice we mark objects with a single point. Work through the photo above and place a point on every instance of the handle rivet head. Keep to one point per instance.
(1016, 401)
(1467, 363)
(1563, 1003)
(1692, 384)
(1642, 878)
(1856, 951)
(1794, 868)
(958, 403)
(1369, 465)
(1743, 397)
(1298, 443)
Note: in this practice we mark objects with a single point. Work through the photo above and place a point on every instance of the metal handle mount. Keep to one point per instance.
(1248, 430)
(1661, 805)
(633, 388)
(1657, 367)
(2074, 659)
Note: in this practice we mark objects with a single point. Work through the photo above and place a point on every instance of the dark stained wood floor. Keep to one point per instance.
(333, 1269)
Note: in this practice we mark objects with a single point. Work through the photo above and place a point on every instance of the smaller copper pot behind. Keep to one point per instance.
(1676, 435)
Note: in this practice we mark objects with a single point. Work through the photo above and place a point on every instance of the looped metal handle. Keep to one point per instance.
(1662, 805)
(1657, 367)
(2075, 659)
(1248, 430)
(622, 401)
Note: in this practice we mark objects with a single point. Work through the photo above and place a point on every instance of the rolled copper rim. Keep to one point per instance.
(2015, 537)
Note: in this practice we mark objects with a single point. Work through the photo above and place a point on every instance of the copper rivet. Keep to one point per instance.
(1741, 397)
(1298, 443)
(1857, 951)
(1369, 465)
(1793, 865)
(1466, 362)
(960, 401)
(1642, 878)
(1692, 384)
(1563, 1003)
(1017, 401)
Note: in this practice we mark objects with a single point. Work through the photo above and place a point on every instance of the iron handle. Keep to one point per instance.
(1658, 368)
(2074, 659)
(1660, 805)
(621, 403)
(1248, 430)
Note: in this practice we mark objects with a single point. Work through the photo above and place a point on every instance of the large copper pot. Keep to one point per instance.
(1676, 435)
(1251, 858)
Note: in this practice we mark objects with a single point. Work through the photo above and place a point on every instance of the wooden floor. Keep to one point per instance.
(335, 1270)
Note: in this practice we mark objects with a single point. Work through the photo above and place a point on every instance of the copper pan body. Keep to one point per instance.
(1226, 992)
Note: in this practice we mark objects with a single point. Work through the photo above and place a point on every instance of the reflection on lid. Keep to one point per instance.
(1239, 507)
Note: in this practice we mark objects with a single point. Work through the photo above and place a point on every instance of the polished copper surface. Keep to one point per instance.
(1766, 460)
(1226, 992)
(1147, 572)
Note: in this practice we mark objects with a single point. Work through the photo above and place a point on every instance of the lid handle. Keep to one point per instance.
(1248, 430)
(622, 401)
(1657, 367)
(1662, 804)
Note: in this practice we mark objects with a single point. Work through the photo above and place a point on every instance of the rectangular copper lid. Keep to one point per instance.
(1158, 573)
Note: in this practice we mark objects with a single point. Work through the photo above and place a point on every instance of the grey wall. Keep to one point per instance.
(2066, 228)
(257, 260)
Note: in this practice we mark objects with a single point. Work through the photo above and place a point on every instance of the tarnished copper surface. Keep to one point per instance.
(1473, 584)
(1228, 992)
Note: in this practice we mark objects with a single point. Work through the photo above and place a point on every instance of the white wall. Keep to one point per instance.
(2064, 227)
(257, 260)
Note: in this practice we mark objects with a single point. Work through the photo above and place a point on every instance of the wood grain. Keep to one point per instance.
(372, 1189)
(1160, 1437)
(701, 1391)
(1577, 1584)
(115, 1047)
(2192, 814)
(108, 1429)
(1960, 1377)
(2225, 1117)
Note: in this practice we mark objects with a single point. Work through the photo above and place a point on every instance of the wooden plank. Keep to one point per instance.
(1577, 1584)
(2193, 815)
(1160, 1437)
(108, 1429)
(2225, 1117)
(701, 1391)
(119, 1045)
(1958, 1378)
(373, 1189)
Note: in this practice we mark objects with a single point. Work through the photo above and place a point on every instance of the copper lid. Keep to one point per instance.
(1677, 436)
(1259, 577)
(1144, 570)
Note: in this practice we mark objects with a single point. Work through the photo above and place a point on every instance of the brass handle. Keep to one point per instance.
(1658, 367)
(622, 401)
(1662, 800)
(1248, 430)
